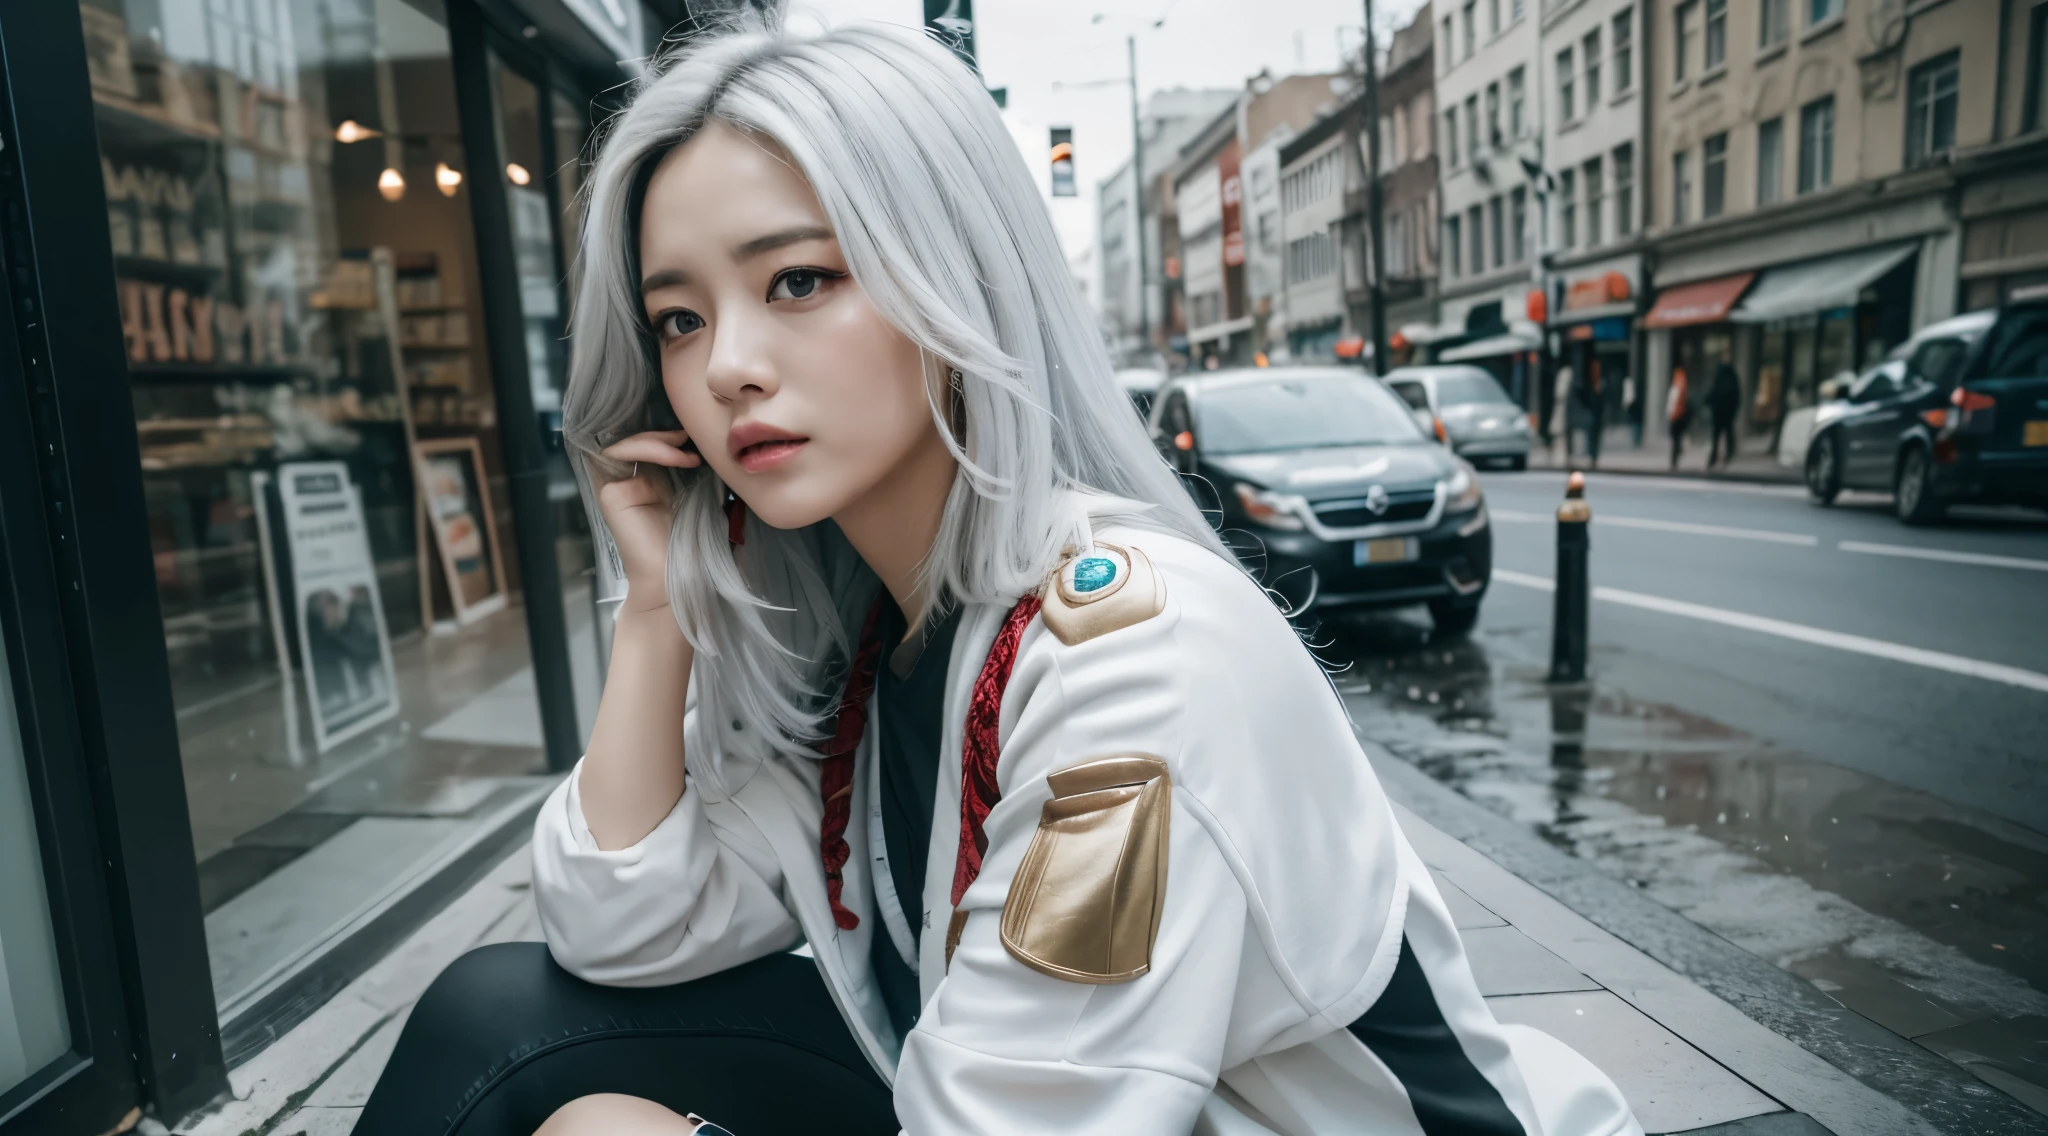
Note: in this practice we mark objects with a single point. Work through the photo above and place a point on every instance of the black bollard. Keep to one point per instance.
(1573, 594)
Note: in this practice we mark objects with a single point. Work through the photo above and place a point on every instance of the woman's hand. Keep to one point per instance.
(638, 510)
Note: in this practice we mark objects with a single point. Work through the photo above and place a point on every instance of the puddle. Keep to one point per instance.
(1923, 915)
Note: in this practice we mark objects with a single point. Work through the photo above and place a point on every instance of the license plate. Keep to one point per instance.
(2037, 432)
(1386, 550)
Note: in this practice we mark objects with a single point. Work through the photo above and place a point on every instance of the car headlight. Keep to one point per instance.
(1462, 493)
(1273, 510)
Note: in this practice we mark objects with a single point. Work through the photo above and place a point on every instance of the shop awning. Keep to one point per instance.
(1506, 344)
(1707, 301)
(1618, 310)
(1819, 285)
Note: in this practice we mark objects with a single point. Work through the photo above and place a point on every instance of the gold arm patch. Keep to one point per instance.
(1106, 590)
(1085, 903)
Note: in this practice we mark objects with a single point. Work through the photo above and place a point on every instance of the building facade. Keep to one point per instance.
(1168, 119)
(1592, 149)
(1490, 115)
(296, 628)
(1805, 212)
(1408, 183)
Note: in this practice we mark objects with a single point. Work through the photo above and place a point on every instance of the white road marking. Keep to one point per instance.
(1805, 540)
(1944, 554)
(1875, 648)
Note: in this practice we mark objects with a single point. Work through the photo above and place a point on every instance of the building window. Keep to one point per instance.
(1493, 115)
(1624, 190)
(1681, 186)
(1518, 221)
(1497, 230)
(1595, 198)
(1681, 31)
(1472, 127)
(1492, 17)
(1399, 258)
(1821, 11)
(1770, 161)
(1450, 57)
(1567, 209)
(1471, 35)
(1624, 49)
(1566, 109)
(1451, 137)
(1714, 175)
(1515, 10)
(1770, 30)
(1589, 48)
(2035, 87)
(1516, 100)
(1453, 260)
(1817, 145)
(1472, 223)
(1931, 108)
(1717, 33)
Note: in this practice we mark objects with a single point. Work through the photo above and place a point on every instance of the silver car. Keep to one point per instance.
(1479, 421)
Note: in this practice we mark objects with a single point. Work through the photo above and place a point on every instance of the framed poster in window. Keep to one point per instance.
(344, 643)
(451, 473)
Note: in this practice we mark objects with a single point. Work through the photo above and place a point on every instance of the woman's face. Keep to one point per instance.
(793, 387)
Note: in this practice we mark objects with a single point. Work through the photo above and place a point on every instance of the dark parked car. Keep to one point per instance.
(1481, 423)
(1329, 470)
(1958, 413)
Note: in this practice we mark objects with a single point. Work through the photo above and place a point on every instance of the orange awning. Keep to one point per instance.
(1707, 301)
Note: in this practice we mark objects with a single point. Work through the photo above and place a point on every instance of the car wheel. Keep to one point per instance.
(1453, 619)
(1824, 470)
(1913, 492)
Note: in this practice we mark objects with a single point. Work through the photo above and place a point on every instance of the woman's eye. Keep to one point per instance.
(669, 325)
(799, 283)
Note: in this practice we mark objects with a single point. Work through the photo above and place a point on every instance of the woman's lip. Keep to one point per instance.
(767, 455)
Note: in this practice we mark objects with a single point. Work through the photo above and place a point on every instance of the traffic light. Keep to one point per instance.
(1063, 161)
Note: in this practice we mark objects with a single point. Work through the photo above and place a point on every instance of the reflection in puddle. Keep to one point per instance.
(1920, 914)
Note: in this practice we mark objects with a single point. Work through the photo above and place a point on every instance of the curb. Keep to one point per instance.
(1739, 476)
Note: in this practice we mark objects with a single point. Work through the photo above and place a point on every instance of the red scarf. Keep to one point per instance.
(978, 789)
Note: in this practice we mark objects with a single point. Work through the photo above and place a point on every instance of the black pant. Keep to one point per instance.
(504, 1037)
(1677, 427)
(1724, 427)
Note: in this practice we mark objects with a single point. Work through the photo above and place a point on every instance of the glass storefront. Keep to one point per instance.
(335, 544)
(34, 1028)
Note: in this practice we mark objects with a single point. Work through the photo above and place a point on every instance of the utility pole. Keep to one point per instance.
(1374, 205)
(1138, 203)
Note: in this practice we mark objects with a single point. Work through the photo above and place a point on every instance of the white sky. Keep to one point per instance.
(1028, 45)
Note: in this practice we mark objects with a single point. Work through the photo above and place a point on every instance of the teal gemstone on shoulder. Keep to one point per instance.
(1093, 574)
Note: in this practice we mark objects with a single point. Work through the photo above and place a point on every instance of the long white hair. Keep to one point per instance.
(944, 230)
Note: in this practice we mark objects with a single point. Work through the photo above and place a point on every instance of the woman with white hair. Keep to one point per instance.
(1002, 799)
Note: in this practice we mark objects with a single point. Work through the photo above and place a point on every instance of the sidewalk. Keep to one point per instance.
(1617, 455)
(1687, 1061)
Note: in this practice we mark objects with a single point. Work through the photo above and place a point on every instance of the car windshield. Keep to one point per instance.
(1468, 387)
(1302, 414)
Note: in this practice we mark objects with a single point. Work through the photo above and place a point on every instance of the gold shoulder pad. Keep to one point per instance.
(1085, 904)
(1106, 590)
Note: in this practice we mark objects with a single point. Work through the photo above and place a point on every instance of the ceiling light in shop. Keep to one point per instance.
(391, 184)
(517, 173)
(352, 131)
(446, 178)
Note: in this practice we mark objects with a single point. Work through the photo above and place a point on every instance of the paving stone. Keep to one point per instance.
(319, 1122)
(349, 1085)
(1466, 912)
(2008, 1053)
(1769, 1124)
(1671, 1086)
(1505, 961)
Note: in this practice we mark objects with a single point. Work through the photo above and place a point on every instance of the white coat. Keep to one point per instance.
(1290, 894)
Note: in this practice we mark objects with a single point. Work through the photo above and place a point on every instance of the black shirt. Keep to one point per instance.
(910, 697)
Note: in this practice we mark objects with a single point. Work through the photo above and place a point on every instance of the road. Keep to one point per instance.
(1817, 732)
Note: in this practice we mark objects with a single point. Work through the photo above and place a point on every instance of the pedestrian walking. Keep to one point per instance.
(1561, 413)
(1677, 413)
(1724, 398)
(1595, 401)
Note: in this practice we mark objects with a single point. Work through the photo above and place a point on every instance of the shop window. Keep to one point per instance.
(1624, 50)
(289, 206)
(1931, 108)
(1770, 161)
(1624, 190)
(1817, 145)
(38, 1027)
(1714, 175)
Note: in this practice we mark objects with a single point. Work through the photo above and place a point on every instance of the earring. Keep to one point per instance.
(957, 378)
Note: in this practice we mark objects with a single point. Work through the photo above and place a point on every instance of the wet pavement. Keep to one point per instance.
(1926, 915)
